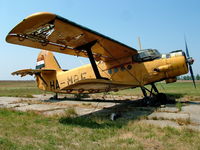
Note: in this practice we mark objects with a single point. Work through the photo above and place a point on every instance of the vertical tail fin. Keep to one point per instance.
(46, 60)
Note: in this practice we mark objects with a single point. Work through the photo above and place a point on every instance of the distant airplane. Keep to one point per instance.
(113, 65)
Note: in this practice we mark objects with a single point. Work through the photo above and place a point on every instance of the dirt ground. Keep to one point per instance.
(184, 116)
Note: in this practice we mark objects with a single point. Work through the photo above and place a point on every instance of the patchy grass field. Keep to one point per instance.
(27, 130)
(177, 90)
(19, 88)
(28, 88)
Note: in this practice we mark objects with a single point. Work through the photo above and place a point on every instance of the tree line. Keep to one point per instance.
(188, 77)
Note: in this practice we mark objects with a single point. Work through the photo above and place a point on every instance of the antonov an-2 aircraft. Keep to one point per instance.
(113, 65)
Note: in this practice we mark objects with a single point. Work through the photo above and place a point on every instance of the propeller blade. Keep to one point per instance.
(186, 48)
(192, 75)
(189, 63)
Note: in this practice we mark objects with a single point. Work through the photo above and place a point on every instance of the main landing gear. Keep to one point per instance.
(55, 97)
(154, 98)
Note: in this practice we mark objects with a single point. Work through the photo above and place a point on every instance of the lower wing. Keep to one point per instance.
(95, 86)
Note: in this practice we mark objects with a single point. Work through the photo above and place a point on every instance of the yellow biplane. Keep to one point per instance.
(113, 65)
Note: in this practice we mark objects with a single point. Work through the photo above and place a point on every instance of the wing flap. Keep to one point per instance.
(51, 32)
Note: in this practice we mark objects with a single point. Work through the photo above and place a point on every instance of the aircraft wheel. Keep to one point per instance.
(149, 101)
(55, 96)
(162, 98)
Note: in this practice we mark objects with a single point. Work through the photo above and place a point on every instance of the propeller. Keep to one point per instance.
(190, 61)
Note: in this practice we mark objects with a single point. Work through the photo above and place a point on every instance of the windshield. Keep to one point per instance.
(146, 55)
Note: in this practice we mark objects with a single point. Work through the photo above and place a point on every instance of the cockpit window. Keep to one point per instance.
(146, 55)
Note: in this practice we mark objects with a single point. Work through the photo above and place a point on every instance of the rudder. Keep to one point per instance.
(46, 60)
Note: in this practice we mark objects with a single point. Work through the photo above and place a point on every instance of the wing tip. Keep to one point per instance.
(30, 21)
(40, 14)
(7, 38)
(36, 18)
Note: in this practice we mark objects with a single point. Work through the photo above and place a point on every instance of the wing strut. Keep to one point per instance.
(88, 47)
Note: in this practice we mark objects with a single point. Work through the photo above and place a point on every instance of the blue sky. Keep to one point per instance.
(160, 25)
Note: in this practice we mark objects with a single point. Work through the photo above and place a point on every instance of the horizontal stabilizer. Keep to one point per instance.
(31, 72)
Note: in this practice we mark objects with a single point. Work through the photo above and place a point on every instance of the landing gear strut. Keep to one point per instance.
(55, 96)
(154, 98)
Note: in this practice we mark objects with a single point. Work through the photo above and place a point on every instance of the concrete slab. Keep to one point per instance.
(165, 116)
(168, 116)
(169, 109)
(39, 107)
(54, 112)
(194, 127)
(194, 111)
(8, 100)
(84, 111)
(80, 111)
(15, 105)
(162, 123)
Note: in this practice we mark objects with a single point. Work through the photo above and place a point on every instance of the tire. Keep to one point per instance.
(162, 98)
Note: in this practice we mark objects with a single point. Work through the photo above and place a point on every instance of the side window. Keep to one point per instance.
(135, 58)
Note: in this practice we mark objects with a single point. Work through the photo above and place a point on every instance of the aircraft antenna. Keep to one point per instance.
(139, 43)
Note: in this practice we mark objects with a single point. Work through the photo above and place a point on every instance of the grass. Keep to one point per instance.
(28, 130)
(19, 89)
(176, 90)
(179, 106)
(29, 88)
(70, 112)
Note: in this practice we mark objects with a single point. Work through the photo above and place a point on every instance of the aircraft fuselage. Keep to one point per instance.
(130, 73)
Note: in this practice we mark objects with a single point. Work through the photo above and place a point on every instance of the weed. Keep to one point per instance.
(87, 104)
(183, 121)
(179, 106)
(70, 112)
(150, 135)
(155, 118)
(4, 142)
(29, 96)
(143, 118)
(170, 131)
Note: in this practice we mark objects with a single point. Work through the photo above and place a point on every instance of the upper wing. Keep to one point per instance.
(51, 32)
